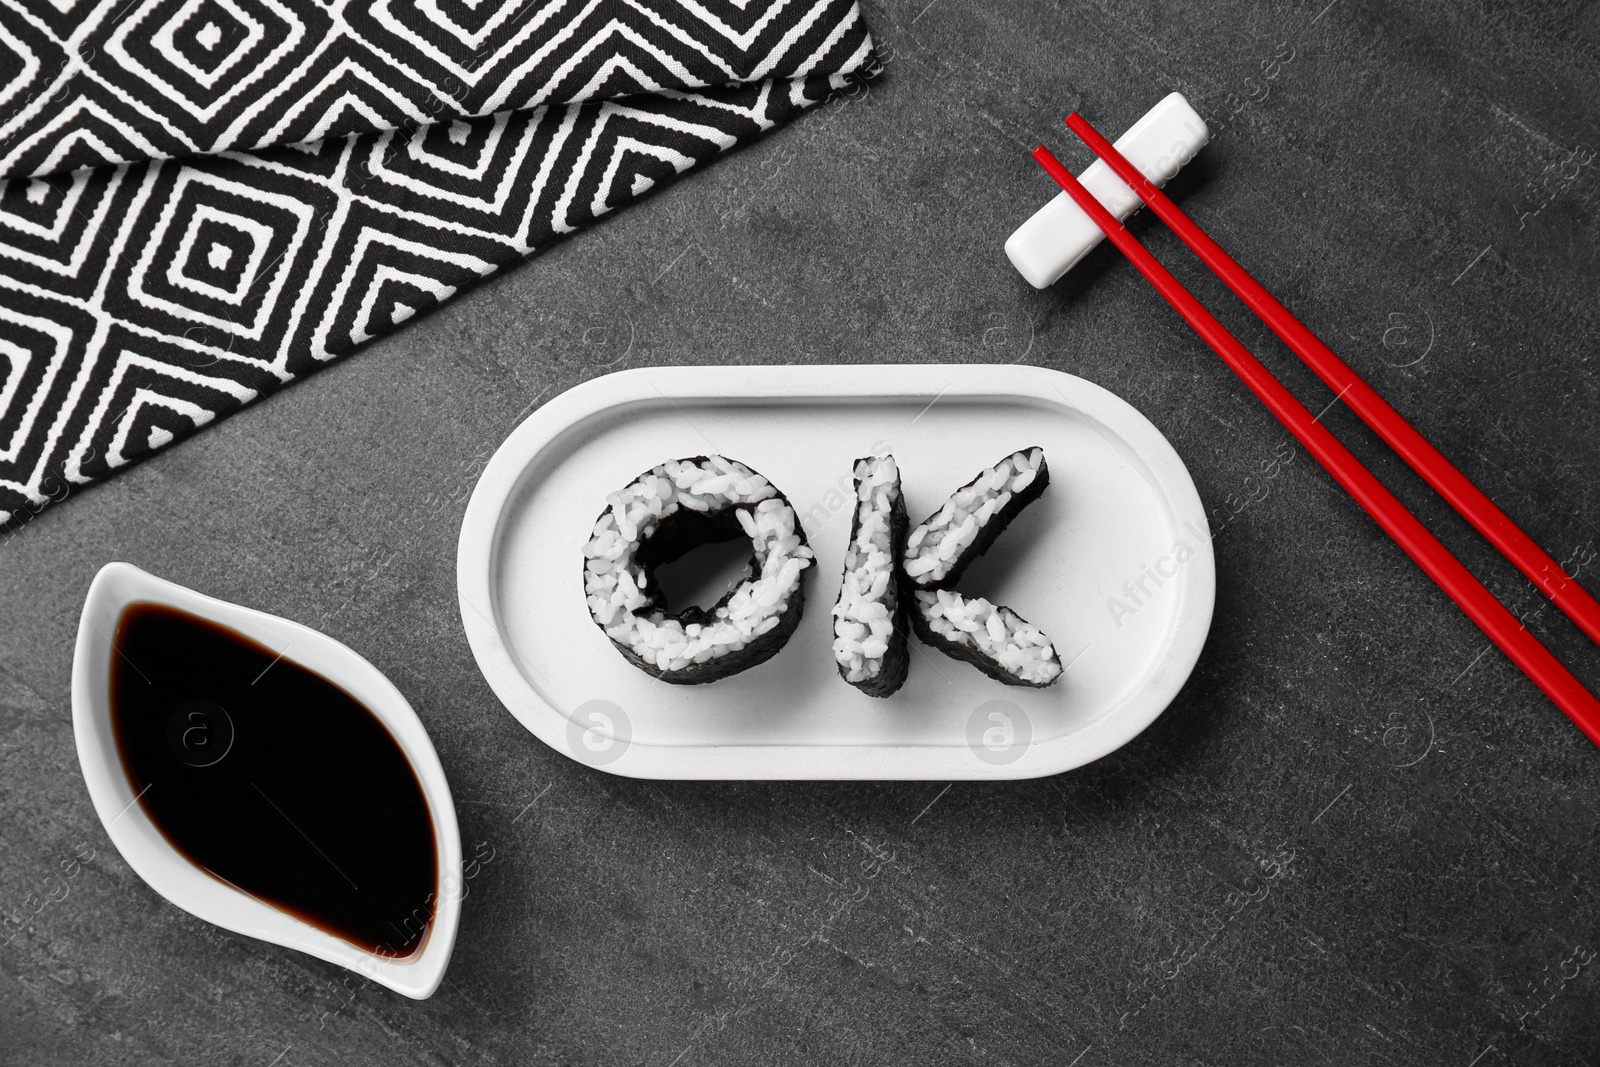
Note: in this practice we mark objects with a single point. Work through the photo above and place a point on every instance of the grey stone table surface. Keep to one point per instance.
(1359, 836)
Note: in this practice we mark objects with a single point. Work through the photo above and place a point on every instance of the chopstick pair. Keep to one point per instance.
(1427, 551)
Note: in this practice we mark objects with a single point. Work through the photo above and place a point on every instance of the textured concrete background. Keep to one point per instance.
(1358, 837)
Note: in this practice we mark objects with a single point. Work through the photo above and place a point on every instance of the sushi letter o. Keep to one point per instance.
(665, 512)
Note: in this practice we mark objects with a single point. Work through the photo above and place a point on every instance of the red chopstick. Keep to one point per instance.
(1404, 528)
(1470, 501)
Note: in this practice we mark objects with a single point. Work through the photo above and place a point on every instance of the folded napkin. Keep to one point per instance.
(206, 199)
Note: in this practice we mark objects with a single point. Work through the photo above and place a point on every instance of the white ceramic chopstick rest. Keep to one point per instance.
(1059, 234)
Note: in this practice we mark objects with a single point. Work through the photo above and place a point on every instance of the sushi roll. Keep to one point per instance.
(994, 639)
(662, 514)
(940, 549)
(869, 638)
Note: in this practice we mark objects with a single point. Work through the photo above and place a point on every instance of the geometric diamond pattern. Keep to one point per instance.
(167, 79)
(379, 160)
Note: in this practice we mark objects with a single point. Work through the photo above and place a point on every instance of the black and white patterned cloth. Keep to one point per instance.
(206, 199)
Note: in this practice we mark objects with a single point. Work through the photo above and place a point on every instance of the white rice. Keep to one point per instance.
(863, 616)
(998, 633)
(933, 548)
(613, 578)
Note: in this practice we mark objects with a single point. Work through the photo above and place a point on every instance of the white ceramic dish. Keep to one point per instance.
(180, 881)
(1119, 504)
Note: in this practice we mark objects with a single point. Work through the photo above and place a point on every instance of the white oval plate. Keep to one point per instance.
(1113, 562)
(175, 877)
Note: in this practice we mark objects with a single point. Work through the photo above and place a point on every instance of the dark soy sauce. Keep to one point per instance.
(273, 779)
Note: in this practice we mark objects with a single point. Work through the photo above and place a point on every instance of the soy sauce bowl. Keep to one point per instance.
(179, 880)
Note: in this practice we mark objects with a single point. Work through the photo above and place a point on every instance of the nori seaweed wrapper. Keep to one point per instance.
(680, 532)
(989, 531)
(968, 653)
(897, 660)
